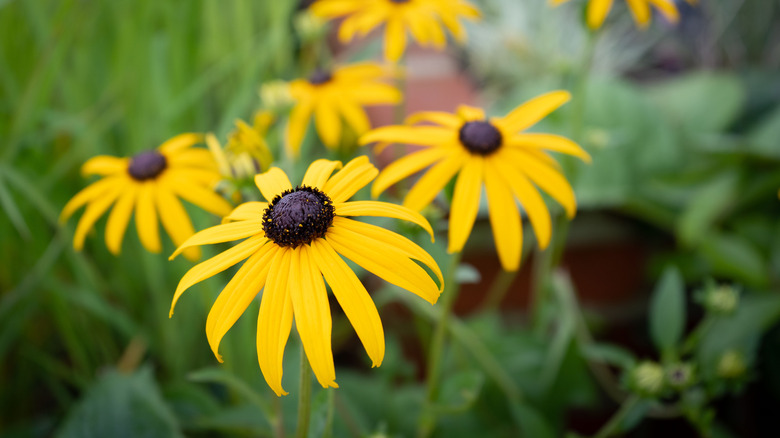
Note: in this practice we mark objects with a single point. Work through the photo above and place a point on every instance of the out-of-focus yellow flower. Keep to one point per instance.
(150, 183)
(333, 96)
(511, 165)
(246, 152)
(422, 18)
(294, 240)
(640, 10)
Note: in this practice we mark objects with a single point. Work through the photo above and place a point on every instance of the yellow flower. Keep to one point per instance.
(423, 19)
(640, 10)
(149, 183)
(246, 151)
(292, 242)
(491, 152)
(335, 95)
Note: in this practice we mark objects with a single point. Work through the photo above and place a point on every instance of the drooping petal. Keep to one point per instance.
(246, 212)
(312, 314)
(175, 220)
(597, 12)
(550, 142)
(95, 209)
(405, 166)
(372, 93)
(119, 218)
(469, 113)
(667, 9)
(465, 203)
(222, 233)
(546, 178)
(504, 220)
(383, 209)
(326, 119)
(319, 171)
(181, 141)
(204, 198)
(297, 124)
(146, 217)
(420, 135)
(355, 116)
(395, 39)
(438, 117)
(346, 182)
(104, 165)
(353, 299)
(434, 180)
(531, 112)
(87, 194)
(641, 12)
(274, 321)
(272, 183)
(216, 264)
(197, 157)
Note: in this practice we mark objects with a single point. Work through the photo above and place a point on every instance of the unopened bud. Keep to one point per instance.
(732, 365)
(721, 300)
(647, 378)
(679, 375)
(276, 95)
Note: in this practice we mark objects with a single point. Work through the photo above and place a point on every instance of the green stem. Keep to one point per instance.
(498, 290)
(446, 303)
(613, 426)
(304, 400)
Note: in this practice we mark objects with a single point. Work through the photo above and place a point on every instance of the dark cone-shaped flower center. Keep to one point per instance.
(399, 1)
(147, 165)
(298, 216)
(480, 137)
(320, 77)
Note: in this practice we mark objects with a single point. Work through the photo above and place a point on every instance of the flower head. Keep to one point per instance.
(647, 378)
(422, 18)
(149, 183)
(294, 245)
(640, 10)
(333, 95)
(493, 152)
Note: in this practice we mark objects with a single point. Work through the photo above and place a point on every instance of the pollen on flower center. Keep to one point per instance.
(480, 137)
(147, 165)
(320, 77)
(298, 216)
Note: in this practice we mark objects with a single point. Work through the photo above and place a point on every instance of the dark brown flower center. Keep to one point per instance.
(320, 77)
(147, 165)
(399, 1)
(298, 216)
(480, 137)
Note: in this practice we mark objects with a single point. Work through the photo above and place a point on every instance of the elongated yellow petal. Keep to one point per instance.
(237, 295)
(404, 167)
(383, 209)
(391, 239)
(274, 321)
(465, 202)
(346, 182)
(146, 218)
(667, 9)
(335, 8)
(528, 196)
(421, 135)
(504, 220)
(175, 220)
(181, 141)
(597, 12)
(272, 183)
(641, 12)
(438, 117)
(104, 165)
(297, 124)
(529, 113)
(216, 264)
(432, 181)
(371, 93)
(87, 194)
(95, 209)
(119, 218)
(395, 40)
(389, 263)
(246, 212)
(204, 198)
(360, 71)
(355, 116)
(201, 158)
(418, 27)
(319, 171)
(546, 178)
(328, 124)
(550, 142)
(191, 175)
(353, 299)
(221, 233)
(469, 113)
(312, 314)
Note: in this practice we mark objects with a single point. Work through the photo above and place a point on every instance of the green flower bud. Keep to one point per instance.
(647, 378)
(721, 300)
(680, 375)
(309, 26)
(732, 365)
(276, 96)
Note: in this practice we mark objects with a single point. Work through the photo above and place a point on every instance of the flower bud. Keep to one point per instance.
(721, 300)
(680, 375)
(647, 378)
(731, 365)
(276, 95)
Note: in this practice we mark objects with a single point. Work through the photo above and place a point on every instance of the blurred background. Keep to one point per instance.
(683, 123)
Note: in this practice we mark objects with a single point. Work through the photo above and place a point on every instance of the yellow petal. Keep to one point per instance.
(246, 212)
(119, 218)
(395, 40)
(346, 182)
(383, 209)
(146, 218)
(432, 181)
(465, 202)
(96, 208)
(438, 117)
(360, 71)
(272, 183)
(204, 177)
(387, 262)
(404, 167)
(360, 24)
(217, 264)
(335, 8)
(529, 113)
(274, 321)
(546, 178)
(197, 157)
(597, 12)
(87, 194)
(319, 171)
(296, 126)
(195, 194)
(328, 124)
(181, 141)
(504, 220)
(641, 12)
(667, 9)
(371, 93)
(237, 295)
(469, 113)
(312, 314)
(353, 299)
(222, 233)
(355, 116)
(104, 165)
(175, 220)
(421, 135)
(551, 142)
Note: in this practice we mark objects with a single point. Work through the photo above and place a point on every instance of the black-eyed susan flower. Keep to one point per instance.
(492, 152)
(149, 184)
(336, 95)
(640, 9)
(422, 18)
(294, 245)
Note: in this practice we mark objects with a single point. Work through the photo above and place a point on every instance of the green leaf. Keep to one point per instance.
(703, 210)
(218, 375)
(763, 139)
(460, 391)
(321, 422)
(531, 422)
(667, 311)
(735, 257)
(610, 355)
(121, 405)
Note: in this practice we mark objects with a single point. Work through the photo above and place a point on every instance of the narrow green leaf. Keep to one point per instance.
(707, 204)
(609, 354)
(667, 311)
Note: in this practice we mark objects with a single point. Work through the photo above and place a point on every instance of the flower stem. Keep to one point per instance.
(304, 398)
(498, 290)
(447, 302)
(613, 425)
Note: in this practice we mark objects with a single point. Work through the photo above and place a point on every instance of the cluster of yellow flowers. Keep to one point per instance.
(294, 241)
